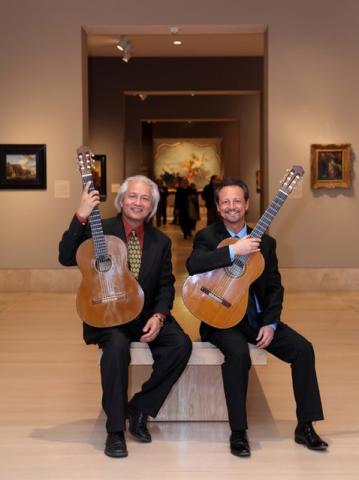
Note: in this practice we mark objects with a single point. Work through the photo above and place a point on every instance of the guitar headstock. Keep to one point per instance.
(291, 178)
(85, 160)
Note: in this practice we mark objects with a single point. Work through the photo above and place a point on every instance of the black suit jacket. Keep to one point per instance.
(206, 256)
(155, 277)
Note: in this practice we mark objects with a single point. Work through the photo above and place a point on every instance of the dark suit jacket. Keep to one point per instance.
(155, 277)
(206, 256)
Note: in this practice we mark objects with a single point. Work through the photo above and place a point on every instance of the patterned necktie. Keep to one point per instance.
(134, 254)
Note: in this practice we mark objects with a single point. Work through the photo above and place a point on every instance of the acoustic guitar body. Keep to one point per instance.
(220, 297)
(109, 295)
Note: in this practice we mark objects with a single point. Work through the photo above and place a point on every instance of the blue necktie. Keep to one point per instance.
(252, 313)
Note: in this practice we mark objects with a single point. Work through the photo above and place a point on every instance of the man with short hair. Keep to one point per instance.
(261, 324)
(136, 202)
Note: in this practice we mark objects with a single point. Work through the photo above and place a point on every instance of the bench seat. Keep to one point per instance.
(203, 353)
(198, 395)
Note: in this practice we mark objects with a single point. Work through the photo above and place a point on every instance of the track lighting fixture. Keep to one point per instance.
(125, 46)
(122, 43)
(175, 31)
(126, 55)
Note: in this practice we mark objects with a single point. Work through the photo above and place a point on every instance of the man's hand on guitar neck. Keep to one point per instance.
(246, 246)
(88, 201)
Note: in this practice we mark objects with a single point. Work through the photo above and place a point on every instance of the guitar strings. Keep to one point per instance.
(107, 288)
(101, 253)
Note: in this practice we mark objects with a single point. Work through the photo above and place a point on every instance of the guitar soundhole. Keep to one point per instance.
(103, 264)
(236, 270)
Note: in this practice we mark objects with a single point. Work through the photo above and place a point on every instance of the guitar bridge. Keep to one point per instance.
(109, 298)
(216, 297)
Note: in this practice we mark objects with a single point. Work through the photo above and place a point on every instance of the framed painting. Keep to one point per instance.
(196, 159)
(23, 167)
(331, 166)
(99, 176)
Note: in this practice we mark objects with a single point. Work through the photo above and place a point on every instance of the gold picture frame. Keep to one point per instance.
(331, 166)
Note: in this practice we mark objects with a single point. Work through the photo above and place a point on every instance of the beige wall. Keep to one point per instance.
(312, 97)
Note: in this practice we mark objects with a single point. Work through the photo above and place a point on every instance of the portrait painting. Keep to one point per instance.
(330, 166)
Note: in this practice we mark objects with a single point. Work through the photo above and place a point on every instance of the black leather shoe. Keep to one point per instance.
(138, 424)
(116, 445)
(306, 435)
(239, 444)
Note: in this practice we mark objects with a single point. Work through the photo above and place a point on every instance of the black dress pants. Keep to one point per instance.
(171, 350)
(288, 346)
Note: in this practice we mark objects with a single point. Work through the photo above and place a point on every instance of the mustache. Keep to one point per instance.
(232, 210)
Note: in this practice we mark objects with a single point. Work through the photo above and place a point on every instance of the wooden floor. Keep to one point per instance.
(52, 426)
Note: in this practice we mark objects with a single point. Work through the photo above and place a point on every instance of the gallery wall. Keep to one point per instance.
(310, 97)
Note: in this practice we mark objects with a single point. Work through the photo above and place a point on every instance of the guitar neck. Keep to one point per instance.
(265, 220)
(98, 236)
(268, 216)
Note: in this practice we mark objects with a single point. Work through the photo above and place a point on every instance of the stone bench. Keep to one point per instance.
(198, 395)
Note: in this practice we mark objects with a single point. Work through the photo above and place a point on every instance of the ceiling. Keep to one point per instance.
(196, 42)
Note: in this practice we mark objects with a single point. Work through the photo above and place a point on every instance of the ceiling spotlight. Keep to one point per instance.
(142, 96)
(126, 55)
(125, 46)
(122, 43)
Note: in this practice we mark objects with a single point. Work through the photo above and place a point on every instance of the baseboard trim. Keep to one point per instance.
(61, 280)
(320, 279)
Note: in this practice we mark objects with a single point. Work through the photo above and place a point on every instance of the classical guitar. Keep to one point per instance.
(220, 297)
(109, 294)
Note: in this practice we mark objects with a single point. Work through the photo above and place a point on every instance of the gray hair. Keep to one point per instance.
(155, 194)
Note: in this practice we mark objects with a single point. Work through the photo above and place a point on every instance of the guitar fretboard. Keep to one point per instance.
(264, 222)
(98, 236)
(268, 216)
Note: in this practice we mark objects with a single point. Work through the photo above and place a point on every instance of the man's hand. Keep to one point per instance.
(151, 329)
(89, 200)
(246, 245)
(265, 336)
